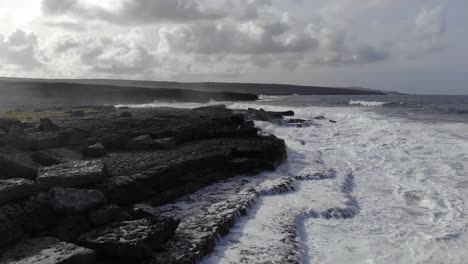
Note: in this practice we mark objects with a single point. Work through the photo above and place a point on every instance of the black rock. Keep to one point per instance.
(6, 123)
(16, 189)
(77, 113)
(18, 165)
(213, 108)
(75, 201)
(17, 130)
(72, 174)
(143, 142)
(29, 216)
(130, 239)
(70, 227)
(47, 251)
(56, 156)
(114, 141)
(164, 143)
(95, 151)
(44, 140)
(46, 124)
(108, 214)
(72, 137)
(126, 114)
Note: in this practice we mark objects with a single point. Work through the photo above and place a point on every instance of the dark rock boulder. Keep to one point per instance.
(6, 123)
(114, 140)
(262, 115)
(34, 129)
(17, 130)
(11, 231)
(213, 108)
(107, 214)
(45, 124)
(130, 239)
(140, 211)
(143, 142)
(18, 165)
(73, 137)
(70, 227)
(126, 114)
(77, 113)
(47, 251)
(29, 216)
(95, 151)
(44, 140)
(16, 189)
(164, 143)
(75, 201)
(72, 174)
(56, 156)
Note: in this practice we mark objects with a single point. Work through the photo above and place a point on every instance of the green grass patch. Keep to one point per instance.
(32, 116)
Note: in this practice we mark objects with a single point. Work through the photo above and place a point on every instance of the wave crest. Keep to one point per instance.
(368, 103)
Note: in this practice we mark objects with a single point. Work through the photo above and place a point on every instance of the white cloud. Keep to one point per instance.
(19, 49)
(430, 27)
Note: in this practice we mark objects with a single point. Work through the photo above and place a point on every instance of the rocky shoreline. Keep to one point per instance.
(103, 186)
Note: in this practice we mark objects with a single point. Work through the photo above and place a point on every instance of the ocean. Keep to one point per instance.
(394, 190)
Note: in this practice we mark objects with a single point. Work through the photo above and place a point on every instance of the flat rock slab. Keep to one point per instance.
(74, 201)
(44, 140)
(18, 165)
(108, 214)
(16, 189)
(56, 156)
(72, 174)
(48, 251)
(130, 239)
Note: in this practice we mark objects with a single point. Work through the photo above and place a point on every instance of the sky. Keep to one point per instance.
(413, 46)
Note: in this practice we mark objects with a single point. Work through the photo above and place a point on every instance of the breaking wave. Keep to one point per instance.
(368, 103)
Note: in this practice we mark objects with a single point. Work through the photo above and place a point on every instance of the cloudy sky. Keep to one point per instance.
(418, 46)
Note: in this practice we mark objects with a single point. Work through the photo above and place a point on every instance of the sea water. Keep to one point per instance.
(400, 166)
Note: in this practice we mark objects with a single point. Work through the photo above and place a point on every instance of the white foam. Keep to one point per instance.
(368, 103)
(410, 188)
(267, 98)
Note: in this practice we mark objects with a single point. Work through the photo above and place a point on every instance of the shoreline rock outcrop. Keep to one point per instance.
(78, 179)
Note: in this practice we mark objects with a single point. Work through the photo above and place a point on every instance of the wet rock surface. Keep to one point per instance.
(47, 251)
(135, 239)
(16, 189)
(104, 182)
(74, 201)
